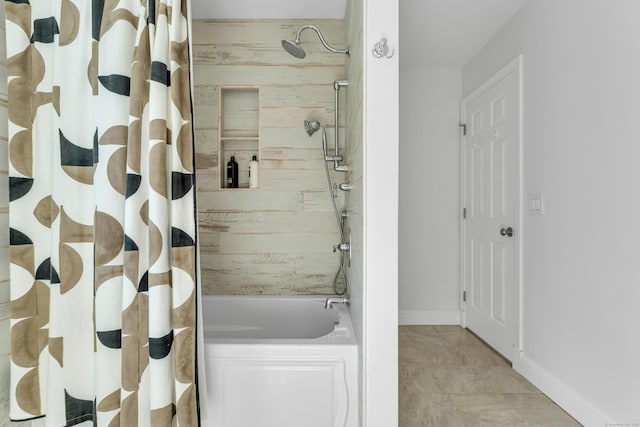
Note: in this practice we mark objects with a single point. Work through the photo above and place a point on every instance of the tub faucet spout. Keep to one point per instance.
(335, 300)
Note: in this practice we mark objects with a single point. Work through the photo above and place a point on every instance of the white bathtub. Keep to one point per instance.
(279, 362)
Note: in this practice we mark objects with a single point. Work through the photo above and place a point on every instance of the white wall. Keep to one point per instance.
(429, 196)
(581, 276)
(380, 199)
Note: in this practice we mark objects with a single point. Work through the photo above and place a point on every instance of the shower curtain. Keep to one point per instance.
(102, 213)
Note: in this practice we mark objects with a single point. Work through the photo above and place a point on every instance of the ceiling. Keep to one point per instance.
(433, 33)
(448, 33)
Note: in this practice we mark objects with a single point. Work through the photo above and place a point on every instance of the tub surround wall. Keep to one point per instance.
(354, 114)
(275, 240)
(355, 153)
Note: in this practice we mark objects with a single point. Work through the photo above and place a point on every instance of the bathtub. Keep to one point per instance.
(279, 362)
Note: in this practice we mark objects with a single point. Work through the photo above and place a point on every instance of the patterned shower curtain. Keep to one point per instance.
(102, 213)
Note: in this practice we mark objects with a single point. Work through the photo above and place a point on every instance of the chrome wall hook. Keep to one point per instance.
(381, 50)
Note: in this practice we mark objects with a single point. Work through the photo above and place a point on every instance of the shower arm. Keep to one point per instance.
(324, 42)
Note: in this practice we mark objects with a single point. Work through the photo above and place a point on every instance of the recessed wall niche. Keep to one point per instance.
(238, 131)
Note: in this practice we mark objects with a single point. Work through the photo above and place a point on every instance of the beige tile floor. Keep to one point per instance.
(450, 378)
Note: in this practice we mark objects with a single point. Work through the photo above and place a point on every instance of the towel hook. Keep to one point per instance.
(381, 50)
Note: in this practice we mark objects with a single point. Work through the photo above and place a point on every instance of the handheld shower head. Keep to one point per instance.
(293, 47)
(312, 126)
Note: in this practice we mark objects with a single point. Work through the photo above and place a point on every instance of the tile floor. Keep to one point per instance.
(450, 378)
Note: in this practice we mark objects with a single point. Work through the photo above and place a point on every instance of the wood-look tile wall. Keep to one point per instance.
(354, 114)
(277, 239)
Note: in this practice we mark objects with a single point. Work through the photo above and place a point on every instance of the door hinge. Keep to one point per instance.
(464, 128)
(464, 296)
(464, 213)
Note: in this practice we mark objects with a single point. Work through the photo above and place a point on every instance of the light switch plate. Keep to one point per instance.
(535, 204)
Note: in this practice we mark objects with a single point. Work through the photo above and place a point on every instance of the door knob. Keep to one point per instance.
(506, 231)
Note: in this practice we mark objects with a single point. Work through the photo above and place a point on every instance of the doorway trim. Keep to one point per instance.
(515, 67)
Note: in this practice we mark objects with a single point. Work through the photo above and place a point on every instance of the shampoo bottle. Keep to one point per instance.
(232, 173)
(253, 172)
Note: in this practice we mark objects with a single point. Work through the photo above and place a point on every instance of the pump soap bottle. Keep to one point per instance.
(253, 172)
(232, 173)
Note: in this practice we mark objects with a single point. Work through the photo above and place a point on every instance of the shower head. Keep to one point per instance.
(293, 47)
(312, 126)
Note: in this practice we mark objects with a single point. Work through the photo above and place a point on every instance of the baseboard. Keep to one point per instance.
(429, 317)
(568, 399)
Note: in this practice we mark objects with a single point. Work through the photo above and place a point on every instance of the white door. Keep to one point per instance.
(489, 196)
